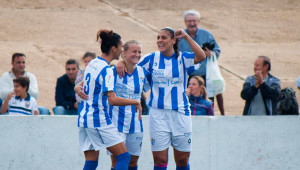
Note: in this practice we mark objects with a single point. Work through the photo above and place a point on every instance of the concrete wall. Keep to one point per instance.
(219, 143)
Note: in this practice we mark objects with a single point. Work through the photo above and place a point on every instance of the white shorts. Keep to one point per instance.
(133, 142)
(169, 127)
(98, 138)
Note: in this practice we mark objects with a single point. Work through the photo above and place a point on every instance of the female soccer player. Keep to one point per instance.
(125, 118)
(96, 129)
(170, 120)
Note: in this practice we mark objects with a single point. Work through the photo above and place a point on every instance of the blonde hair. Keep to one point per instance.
(200, 81)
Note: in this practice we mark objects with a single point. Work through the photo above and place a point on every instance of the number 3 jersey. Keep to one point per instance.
(130, 86)
(169, 79)
(98, 79)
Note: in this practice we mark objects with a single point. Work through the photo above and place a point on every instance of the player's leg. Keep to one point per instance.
(160, 159)
(221, 103)
(91, 160)
(181, 160)
(122, 156)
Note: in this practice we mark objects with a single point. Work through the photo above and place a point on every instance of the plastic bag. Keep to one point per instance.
(214, 81)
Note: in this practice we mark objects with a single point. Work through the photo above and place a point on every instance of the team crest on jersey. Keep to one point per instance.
(27, 104)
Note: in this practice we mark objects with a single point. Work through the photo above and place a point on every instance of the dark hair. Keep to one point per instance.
(17, 55)
(200, 81)
(175, 46)
(23, 81)
(126, 45)
(72, 61)
(107, 39)
(266, 61)
(89, 54)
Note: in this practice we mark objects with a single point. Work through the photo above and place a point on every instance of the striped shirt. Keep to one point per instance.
(18, 106)
(168, 80)
(130, 87)
(98, 79)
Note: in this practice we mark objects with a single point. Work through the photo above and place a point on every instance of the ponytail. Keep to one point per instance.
(107, 39)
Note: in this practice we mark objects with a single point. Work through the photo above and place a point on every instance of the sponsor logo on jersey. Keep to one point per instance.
(27, 104)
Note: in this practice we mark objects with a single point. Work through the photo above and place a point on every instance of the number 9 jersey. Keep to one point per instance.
(98, 79)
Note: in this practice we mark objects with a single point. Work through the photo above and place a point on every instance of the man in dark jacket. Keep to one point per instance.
(64, 93)
(261, 90)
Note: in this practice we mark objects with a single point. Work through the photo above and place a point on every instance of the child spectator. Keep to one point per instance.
(200, 105)
(20, 102)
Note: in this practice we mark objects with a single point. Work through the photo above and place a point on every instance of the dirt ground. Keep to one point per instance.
(51, 31)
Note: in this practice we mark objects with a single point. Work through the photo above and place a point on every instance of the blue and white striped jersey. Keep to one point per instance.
(17, 106)
(169, 79)
(98, 79)
(131, 87)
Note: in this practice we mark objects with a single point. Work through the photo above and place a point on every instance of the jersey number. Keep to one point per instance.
(87, 86)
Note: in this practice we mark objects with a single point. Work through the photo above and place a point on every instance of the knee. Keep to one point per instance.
(183, 161)
(59, 110)
(133, 161)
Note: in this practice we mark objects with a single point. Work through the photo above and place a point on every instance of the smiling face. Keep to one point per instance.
(165, 42)
(259, 66)
(194, 87)
(133, 54)
(191, 22)
(19, 90)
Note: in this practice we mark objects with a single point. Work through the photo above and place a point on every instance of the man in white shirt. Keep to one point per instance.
(18, 63)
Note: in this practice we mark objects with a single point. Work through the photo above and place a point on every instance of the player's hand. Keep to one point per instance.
(79, 90)
(121, 68)
(139, 108)
(180, 34)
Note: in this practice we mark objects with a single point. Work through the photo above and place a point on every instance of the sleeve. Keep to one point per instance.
(271, 91)
(6, 84)
(189, 64)
(146, 61)
(33, 106)
(59, 96)
(249, 91)
(210, 110)
(33, 86)
(108, 80)
(147, 80)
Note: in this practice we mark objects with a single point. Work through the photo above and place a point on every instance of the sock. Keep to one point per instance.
(161, 167)
(183, 167)
(90, 165)
(123, 161)
(132, 168)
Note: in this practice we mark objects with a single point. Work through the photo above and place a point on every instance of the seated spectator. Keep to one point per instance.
(261, 90)
(200, 105)
(20, 102)
(88, 56)
(18, 63)
(64, 94)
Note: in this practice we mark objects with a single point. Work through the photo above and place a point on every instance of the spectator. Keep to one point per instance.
(200, 105)
(20, 102)
(18, 63)
(87, 57)
(261, 90)
(200, 36)
(64, 94)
